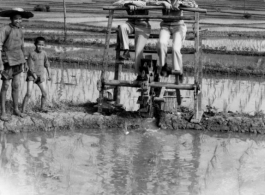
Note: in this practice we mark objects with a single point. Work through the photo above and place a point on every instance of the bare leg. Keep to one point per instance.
(4, 89)
(27, 96)
(42, 87)
(15, 94)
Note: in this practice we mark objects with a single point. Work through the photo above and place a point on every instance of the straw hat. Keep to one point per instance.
(15, 11)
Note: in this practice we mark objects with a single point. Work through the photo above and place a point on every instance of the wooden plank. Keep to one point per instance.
(156, 36)
(183, 51)
(155, 8)
(123, 83)
(105, 59)
(153, 17)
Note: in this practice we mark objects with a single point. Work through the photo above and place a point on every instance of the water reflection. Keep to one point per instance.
(101, 162)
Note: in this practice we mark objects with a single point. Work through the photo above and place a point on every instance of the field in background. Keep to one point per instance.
(233, 43)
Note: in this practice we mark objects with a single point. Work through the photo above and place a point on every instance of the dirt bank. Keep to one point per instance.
(222, 122)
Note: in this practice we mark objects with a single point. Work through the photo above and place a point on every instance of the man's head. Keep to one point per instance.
(39, 43)
(16, 20)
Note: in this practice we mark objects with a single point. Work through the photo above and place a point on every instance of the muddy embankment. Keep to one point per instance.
(130, 121)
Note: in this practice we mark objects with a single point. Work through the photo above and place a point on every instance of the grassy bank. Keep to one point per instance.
(70, 115)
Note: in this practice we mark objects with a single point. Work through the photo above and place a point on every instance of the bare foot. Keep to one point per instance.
(20, 114)
(5, 117)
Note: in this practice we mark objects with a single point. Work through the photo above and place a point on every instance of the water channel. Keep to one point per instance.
(87, 162)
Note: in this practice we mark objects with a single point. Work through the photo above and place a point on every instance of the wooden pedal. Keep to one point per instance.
(158, 99)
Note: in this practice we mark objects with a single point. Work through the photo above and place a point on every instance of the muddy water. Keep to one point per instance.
(151, 162)
(79, 86)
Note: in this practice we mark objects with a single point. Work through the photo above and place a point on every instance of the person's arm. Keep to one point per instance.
(188, 3)
(123, 3)
(26, 68)
(119, 3)
(3, 37)
(31, 69)
(135, 3)
(165, 3)
(47, 66)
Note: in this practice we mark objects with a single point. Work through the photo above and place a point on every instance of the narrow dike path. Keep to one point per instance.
(229, 122)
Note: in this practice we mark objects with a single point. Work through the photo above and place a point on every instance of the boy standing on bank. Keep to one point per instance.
(37, 62)
(12, 58)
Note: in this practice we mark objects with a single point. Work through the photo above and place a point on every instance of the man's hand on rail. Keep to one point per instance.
(188, 3)
(175, 5)
(132, 7)
(167, 5)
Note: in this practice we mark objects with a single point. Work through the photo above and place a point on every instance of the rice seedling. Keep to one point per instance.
(225, 106)
(225, 148)
(210, 166)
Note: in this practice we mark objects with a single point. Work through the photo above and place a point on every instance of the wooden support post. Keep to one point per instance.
(197, 72)
(177, 91)
(105, 59)
(64, 18)
(118, 70)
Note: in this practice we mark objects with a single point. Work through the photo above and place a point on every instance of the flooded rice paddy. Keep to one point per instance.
(78, 85)
(151, 162)
(87, 162)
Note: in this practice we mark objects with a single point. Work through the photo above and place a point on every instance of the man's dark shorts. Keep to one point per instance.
(11, 71)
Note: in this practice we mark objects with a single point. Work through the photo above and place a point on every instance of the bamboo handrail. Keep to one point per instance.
(153, 17)
(155, 8)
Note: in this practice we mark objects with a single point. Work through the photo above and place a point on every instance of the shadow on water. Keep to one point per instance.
(149, 162)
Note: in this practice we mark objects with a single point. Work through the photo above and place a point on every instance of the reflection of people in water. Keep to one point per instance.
(3, 156)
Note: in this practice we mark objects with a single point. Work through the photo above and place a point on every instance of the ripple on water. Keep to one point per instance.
(84, 162)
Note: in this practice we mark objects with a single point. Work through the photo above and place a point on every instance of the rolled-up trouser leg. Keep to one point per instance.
(162, 45)
(141, 37)
(124, 31)
(179, 34)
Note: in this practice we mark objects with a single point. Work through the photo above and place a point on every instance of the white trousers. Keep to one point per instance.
(141, 36)
(179, 33)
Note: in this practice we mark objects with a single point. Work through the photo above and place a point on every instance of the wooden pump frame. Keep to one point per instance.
(117, 83)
